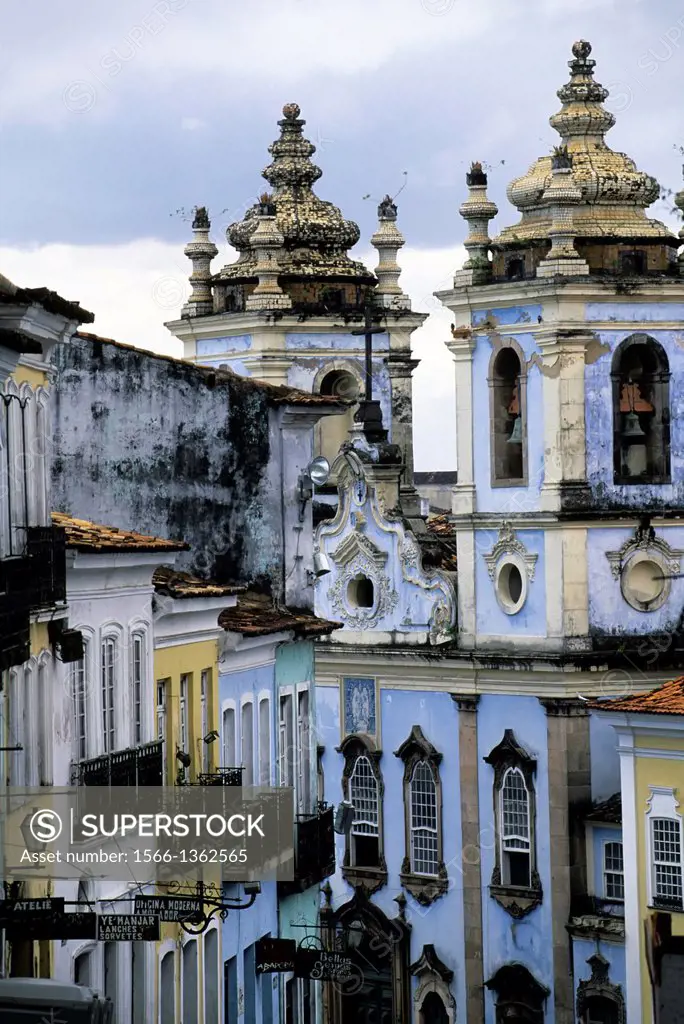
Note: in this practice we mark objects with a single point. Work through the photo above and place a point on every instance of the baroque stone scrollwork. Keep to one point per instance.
(508, 544)
(598, 987)
(644, 565)
(519, 996)
(434, 977)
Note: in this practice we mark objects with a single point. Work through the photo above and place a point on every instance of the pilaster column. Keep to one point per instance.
(470, 856)
(562, 367)
(462, 345)
(400, 367)
(569, 782)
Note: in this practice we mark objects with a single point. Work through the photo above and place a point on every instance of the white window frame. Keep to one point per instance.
(78, 692)
(661, 803)
(229, 758)
(247, 750)
(44, 690)
(287, 767)
(16, 724)
(611, 871)
(427, 830)
(108, 728)
(507, 840)
(184, 712)
(303, 780)
(265, 766)
(138, 686)
(205, 697)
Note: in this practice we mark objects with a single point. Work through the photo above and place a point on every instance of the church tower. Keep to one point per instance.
(290, 309)
(567, 342)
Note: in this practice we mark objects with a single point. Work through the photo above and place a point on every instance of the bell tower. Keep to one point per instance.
(568, 428)
(291, 308)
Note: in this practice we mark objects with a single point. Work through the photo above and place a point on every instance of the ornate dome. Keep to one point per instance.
(316, 235)
(614, 194)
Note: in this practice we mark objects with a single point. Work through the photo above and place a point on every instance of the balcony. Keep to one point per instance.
(314, 851)
(221, 777)
(137, 766)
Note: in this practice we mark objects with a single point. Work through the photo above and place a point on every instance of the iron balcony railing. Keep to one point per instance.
(136, 766)
(221, 777)
(314, 850)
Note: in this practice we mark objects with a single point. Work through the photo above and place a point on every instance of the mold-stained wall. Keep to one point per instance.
(147, 442)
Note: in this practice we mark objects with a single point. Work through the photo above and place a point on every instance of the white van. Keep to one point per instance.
(46, 1001)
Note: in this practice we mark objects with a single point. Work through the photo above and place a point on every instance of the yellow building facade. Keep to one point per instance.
(186, 652)
(650, 739)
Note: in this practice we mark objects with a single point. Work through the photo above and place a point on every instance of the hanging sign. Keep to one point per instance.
(54, 926)
(13, 909)
(275, 955)
(170, 908)
(321, 965)
(127, 928)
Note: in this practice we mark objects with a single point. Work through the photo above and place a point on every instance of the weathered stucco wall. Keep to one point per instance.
(154, 444)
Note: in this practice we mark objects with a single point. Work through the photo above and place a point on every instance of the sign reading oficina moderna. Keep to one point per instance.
(170, 908)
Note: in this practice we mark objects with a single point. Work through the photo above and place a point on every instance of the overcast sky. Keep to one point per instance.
(114, 116)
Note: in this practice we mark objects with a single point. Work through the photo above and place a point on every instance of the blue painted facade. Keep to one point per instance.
(285, 668)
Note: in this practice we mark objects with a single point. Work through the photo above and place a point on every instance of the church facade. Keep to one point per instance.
(480, 868)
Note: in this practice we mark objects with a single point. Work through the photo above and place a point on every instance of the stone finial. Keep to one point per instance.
(477, 211)
(267, 242)
(560, 196)
(388, 240)
(679, 203)
(200, 251)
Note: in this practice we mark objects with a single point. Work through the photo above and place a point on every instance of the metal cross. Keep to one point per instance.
(370, 412)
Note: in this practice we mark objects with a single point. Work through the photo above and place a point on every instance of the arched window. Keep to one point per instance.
(433, 1010)
(508, 429)
(515, 829)
(424, 846)
(641, 412)
(600, 1010)
(515, 882)
(362, 786)
(332, 431)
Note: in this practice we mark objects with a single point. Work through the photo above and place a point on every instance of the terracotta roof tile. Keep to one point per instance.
(276, 394)
(49, 300)
(177, 584)
(609, 810)
(82, 535)
(255, 615)
(667, 699)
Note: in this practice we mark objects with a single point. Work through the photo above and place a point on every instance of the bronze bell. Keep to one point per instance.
(632, 427)
(516, 434)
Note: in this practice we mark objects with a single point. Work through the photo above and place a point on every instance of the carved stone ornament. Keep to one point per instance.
(599, 987)
(645, 540)
(433, 976)
(519, 996)
(508, 544)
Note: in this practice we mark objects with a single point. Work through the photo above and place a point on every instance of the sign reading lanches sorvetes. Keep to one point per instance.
(127, 928)
(144, 835)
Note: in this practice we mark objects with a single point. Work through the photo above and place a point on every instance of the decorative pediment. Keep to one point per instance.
(508, 544)
(599, 987)
(516, 987)
(645, 540)
(356, 545)
(417, 748)
(509, 754)
(429, 963)
(354, 745)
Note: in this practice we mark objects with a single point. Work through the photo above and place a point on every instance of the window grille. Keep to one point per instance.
(667, 860)
(79, 690)
(363, 793)
(108, 685)
(423, 821)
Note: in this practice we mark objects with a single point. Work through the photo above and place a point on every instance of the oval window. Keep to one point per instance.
(511, 588)
(361, 592)
(643, 584)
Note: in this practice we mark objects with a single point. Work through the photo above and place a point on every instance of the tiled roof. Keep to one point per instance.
(85, 536)
(276, 394)
(667, 699)
(441, 526)
(181, 585)
(50, 301)
(442, 530)
(609, 810)
(255, 615)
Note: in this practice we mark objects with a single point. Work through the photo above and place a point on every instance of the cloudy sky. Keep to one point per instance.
(115, 116)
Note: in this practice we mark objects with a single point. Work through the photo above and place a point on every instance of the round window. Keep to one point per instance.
(644, 584)
(361, 592)
(511, 587)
